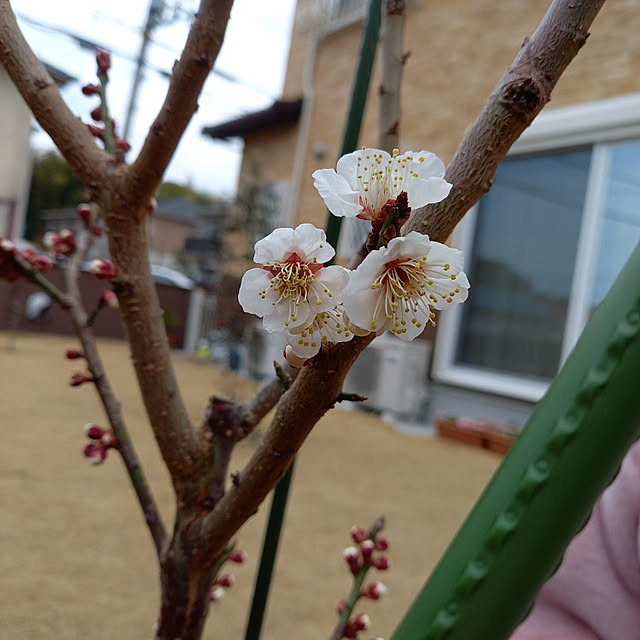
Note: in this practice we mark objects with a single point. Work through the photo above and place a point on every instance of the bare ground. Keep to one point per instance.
(76, 561)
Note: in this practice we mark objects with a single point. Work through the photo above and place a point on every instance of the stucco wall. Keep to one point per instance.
(15, 159)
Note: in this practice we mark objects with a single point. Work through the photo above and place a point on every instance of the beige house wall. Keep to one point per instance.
(168, 236)
(15, 159)
(458, 51)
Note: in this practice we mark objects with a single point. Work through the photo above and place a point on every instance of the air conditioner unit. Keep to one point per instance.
(393, 375)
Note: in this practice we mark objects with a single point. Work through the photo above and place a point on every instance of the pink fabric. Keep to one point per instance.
(595, 595)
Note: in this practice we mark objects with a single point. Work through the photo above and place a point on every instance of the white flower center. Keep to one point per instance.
(405, 297)
(379, 182)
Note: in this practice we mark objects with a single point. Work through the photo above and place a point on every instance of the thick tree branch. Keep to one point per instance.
(189, 74)
(40, 93)
(318, 385)
(520, 95)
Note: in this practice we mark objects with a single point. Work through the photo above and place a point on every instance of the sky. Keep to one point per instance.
(253, 61)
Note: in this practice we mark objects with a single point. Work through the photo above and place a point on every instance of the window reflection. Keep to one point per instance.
(522, 264)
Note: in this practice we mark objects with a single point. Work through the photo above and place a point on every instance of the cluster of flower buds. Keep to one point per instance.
(60, 244)
(86, 214)
(10, 255)
(226, 581)
(101, 441)
(361, 557)
(103, 60)
(103, 269)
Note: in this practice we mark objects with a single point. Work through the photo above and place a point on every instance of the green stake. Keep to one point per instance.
(281, 492)
(542, 494)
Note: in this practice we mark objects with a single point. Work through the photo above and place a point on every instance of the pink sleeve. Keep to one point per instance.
(595, 595)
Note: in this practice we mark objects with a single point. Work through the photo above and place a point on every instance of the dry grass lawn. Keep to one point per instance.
(76, 561)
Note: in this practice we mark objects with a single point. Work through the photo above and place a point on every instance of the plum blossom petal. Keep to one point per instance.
(398, 287)
(292, 286)
(365, 180)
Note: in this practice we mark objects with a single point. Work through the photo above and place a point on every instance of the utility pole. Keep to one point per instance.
(156, 8)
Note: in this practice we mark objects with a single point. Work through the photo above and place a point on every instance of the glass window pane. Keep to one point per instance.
(522, 264)
(620, 230)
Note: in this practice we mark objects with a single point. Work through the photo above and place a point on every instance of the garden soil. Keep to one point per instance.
(76, 560)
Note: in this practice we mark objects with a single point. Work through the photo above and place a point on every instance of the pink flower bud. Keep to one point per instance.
(358, 534)
(238, 556)
(367, 546)
(341, 607)
(352, 557)
(98, 231)
(103, 58)
(151, 206)
(227, 580)
(382, 543)
(103, 269)
(362, 622)
(49, 239)
(7, 247)
(79, 378)
(85, 213)
(90, 89)
(97, 132)
(123, 145)
(216, 594)
(73, 354)
(382, 563)
(93, 431)
(96, 114)
(95, 452)
(109, 440)
(110, 299)
(374, 591)
(41, 264)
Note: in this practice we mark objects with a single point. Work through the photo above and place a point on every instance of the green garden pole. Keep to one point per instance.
(281, 492)
(543, 493)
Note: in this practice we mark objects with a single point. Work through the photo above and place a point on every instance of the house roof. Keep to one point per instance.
(59, 77)
(187, 211)
(279, 113)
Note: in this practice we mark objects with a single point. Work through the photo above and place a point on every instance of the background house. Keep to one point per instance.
(15, 160)
(546, 242)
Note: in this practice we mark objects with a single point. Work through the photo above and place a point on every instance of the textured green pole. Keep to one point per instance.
(542, 494)
(281, 492)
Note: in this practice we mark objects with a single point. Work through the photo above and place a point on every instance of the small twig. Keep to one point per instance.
(351, 397)
(285, 378)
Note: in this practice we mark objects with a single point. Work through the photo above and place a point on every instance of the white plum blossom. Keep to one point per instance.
(398, 287)
(364, 181)
(293, 292)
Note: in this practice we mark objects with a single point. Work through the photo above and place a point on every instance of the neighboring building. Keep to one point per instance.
(542, 247)
(16, 160)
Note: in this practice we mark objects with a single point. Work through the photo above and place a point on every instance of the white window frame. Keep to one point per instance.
(599, 124)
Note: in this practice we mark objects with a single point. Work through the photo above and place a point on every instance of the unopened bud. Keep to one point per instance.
(362, 622)
(292, 358)
(358, 534)
(73, 354)
(151, 207)
(367, 546)
(382, 563)
(216, 594)
(6, 246)
(96, 114)
(110, 299)
(109, 440)
(93, 431)
(85, 213)
(374, 591)
(95, 452)
(341, 607)
(41, 264)
(103, 269)
(227, 580)
(79, 378)
(382, 543)
(238, 556)
(90, 89)
(98, 231)
(103, 58)
(123, 145)
(97, 132)
(352, 557)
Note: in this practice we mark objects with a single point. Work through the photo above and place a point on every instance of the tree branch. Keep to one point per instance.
(109, 402)
(319, 384)
(520, 95)
(189, 74)
(43, 98)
